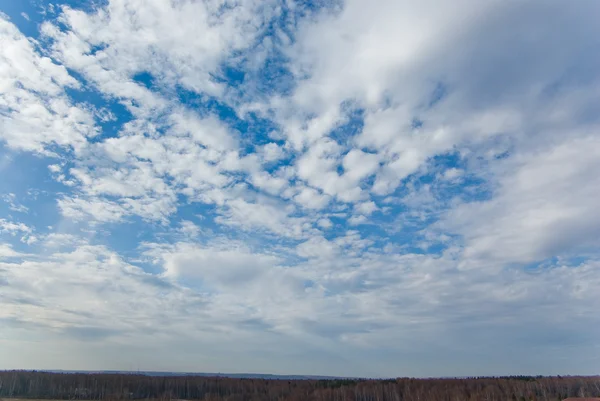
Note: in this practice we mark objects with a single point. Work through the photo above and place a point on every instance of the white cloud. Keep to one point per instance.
(146, 174)
(100, 209)
(273, 185)
(179, 43)
(311, 198)
(6, 252)
(349, 56)
(263, 215)
(55, 168)
(437, 108)
(13, 228)
(357, 220)
(325, 223)
(29, 239)
(189, 229)
(83, 282)
(60, 241)
(452, 174)
(231, 283)
(317, 247)
(358, 165)
(272, 152)
(208, 132)
(38, 113)
(229, 267)
(544, 206)
(318, 167)
(365, 208)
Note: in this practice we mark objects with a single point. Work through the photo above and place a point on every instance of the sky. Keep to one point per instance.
(353, 188)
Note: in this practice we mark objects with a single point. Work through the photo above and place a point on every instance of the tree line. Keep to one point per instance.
(88, 386)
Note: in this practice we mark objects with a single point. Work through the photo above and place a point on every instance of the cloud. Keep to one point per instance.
(189, 229)
(544, 206)
(231, 266)
(366, 207)
(6, 251)
(229, 282)
(325, 223)
(14, 205)
(36, 111)
(99, 209)
(346, 185)
(272, 152)
(263, 215)
(84, 281)
(13, 228)
(311, 198)
(318, 167)
(155, 37)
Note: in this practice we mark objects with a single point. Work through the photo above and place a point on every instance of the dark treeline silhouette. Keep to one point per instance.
(88, 386)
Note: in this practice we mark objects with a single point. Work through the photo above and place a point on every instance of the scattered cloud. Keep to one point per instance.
(369, 186)
(37, 113)
(13, 228)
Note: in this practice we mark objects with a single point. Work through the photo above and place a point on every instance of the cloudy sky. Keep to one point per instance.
(388, 188)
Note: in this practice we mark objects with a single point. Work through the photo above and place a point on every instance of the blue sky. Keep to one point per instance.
(339, 188)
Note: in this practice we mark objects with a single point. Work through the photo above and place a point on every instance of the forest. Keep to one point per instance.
(96, 386)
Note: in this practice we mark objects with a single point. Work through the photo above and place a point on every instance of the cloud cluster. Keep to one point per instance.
(364, 185)
(36, 113)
